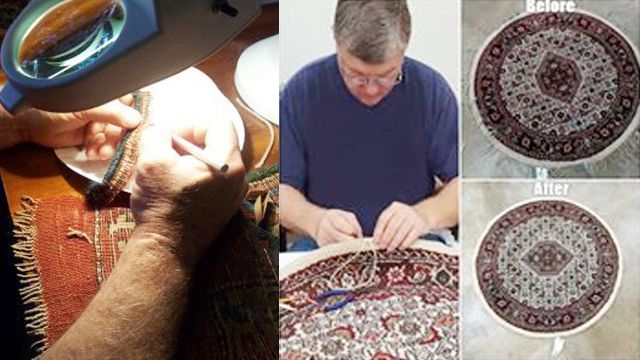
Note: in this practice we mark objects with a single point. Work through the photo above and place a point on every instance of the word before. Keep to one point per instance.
(550, 5)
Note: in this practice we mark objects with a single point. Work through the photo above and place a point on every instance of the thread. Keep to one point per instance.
(367, 245)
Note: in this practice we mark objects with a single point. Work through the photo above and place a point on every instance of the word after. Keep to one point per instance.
(550, 188)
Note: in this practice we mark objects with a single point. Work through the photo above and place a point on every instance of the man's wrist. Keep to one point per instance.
(313, 222)
(429, 217)
(144, 241)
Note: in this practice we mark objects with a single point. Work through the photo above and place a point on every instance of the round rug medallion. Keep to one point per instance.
(410, 311)
(554, 89)
(548, 268)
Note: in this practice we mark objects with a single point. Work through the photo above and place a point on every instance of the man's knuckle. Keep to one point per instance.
(154, 167)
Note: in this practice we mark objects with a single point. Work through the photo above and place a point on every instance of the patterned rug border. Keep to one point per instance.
(579, 329)
(338, 249)
(635, 123)
(36, 314)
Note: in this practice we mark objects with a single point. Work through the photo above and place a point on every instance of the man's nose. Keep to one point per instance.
(371, 88)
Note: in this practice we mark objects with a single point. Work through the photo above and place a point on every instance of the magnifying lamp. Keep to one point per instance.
(71, 55)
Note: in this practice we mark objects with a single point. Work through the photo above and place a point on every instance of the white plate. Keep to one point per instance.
(195, 87)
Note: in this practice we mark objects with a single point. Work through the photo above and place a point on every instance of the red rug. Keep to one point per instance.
(410, 313)
(554, 89)
(65, 250)
(548, 268)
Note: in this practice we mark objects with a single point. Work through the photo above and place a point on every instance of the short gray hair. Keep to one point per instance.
(372, 30)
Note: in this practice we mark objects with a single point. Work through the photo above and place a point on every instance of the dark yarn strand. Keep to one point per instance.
(124, 160)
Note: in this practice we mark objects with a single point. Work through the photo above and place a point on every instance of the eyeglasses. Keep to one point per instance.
(385, 82)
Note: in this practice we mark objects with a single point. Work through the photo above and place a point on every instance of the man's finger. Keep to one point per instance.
(353, 220)
(127, 99)
(114, 112)
(325, 240)
(410, 239)
(92, 130)
(393, 225)
(94, 137)
(342, 224)
(93, 146)
(338, 234)
(106, 151)
(400, 236)
(342, 237)
(381, 224)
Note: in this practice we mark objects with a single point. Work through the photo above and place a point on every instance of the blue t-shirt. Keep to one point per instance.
(342, 154)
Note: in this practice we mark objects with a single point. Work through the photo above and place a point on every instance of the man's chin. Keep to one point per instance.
(370, 102)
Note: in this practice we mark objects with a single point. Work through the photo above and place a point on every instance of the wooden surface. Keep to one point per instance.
(35, 171)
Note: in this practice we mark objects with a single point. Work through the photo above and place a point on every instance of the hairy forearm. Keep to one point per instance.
(13, 131)
(440, 211)
(300, 215)
(137, 312)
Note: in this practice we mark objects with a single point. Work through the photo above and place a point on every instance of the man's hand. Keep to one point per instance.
(180, 201)
(99, 129)
(180, 205)
(337, 225)
(398, 226)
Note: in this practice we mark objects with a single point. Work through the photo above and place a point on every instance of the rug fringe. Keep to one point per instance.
(35, 314)
(624, 157)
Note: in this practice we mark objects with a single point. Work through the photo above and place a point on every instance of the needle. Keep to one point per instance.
(197, 153)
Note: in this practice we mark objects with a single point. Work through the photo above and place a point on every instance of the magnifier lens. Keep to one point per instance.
(69, 37)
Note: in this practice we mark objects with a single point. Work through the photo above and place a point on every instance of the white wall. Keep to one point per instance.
(305, 35)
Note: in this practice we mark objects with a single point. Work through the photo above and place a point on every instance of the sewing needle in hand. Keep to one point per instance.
(197, 153)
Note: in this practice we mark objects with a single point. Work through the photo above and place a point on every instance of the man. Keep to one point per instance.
(366, 134)
(137, 312)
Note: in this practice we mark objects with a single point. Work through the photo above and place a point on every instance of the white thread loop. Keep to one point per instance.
(367, 245)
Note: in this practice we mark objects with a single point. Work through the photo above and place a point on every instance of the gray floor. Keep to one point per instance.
(480, 159)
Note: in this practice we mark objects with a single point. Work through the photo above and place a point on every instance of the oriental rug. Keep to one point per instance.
(410, 311)
(65, 249)
(555, 89)
(548, 268)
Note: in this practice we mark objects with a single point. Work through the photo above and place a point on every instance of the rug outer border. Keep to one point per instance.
(346, 247)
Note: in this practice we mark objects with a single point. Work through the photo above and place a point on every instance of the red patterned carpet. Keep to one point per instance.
(552, 89)
(411, 312)
(548, 267)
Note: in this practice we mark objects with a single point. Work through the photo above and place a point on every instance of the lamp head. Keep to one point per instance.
(70, 55)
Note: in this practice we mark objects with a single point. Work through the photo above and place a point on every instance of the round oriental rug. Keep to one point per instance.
(556, 89)
(548, 268)
(411, 311)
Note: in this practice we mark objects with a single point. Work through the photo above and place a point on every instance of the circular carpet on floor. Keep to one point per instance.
(556, 89)
(548, 268)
